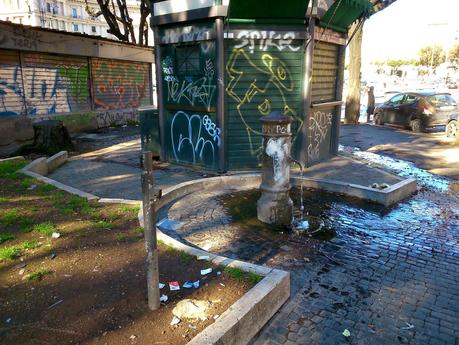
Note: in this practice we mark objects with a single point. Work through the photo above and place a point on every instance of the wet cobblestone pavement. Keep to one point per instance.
(388, 277)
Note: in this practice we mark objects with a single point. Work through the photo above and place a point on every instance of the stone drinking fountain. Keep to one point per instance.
(275, 206)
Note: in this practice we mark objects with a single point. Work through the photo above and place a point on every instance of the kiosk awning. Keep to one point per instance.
(344, 12)
(268, 11)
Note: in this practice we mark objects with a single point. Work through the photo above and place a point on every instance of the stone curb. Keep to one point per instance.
(13, 159)
(59, 185)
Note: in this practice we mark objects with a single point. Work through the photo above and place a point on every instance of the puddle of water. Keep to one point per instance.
(317, 215)
(401, 167)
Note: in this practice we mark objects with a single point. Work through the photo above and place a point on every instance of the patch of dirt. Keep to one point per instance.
(89, 286)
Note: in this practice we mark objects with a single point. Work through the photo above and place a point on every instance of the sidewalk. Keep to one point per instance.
(114, 171)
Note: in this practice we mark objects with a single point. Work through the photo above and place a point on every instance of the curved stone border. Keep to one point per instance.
(242, 320)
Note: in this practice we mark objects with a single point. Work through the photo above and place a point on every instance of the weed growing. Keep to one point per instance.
(32, 244)
(103, 224)
(5, 237)
(39, 274)
(240, 275)
(9, 169)
(45, 228)
(9, 253)
(9, 217)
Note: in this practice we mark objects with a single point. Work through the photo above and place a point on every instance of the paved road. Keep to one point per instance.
(430, 151)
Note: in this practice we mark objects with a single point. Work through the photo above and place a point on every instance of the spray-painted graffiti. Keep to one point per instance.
(20, 38)
(192, 91)
(194, 138)
(318, 128)
(116, 117)
(258, 83)
(11, 91)
(277, 148)
(120, 84)
(47, 90)
(264, 40)
(186, 34)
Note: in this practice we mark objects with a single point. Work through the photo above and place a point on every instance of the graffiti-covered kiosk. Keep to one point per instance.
(223, 64)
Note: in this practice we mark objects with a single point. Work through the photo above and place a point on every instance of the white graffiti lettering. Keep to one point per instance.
(195, 92)
(187, 131)
(185, 34)
(265, 40)
(319, 125)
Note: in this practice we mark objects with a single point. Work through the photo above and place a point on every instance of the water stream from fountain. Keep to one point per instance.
(300, 224)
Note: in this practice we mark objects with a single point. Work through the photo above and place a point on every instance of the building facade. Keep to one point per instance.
(63, 15)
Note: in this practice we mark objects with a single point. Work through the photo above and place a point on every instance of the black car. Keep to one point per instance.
(417, 110)
(451, 126)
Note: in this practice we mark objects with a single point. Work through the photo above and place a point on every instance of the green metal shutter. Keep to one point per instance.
(55, 84)
(192, 136)
(260, 78)
(11, 88)
(120, 84)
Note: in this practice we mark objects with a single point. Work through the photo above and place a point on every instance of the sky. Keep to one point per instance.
(402, 29)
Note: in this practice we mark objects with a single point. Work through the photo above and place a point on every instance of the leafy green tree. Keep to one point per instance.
(454, 54)
(431, 56)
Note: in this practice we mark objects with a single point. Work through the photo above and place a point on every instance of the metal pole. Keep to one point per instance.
(221, 94)
(149, 224)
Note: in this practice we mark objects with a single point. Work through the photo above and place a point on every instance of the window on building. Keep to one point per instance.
(76, 27)
(93, 29)
(188, 60)
(55, 9)
(62, 25)
(48, 7)
(74, 12)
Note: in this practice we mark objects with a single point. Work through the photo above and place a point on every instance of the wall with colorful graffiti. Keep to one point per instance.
(120, 84)
(264, 72)
(40, 85)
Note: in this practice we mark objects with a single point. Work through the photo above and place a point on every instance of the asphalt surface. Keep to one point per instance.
(431, 151)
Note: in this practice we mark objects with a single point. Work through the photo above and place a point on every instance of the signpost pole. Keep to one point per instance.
(149, 222)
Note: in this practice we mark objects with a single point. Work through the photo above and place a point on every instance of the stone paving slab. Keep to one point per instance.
(347, 170)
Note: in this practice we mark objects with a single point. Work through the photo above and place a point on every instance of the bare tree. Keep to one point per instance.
(352, 112)
(120, 24)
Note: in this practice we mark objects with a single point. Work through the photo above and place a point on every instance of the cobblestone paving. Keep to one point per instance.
(387, 277)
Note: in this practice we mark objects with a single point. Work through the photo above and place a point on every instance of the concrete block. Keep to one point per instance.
(38, 166)
(56, 161)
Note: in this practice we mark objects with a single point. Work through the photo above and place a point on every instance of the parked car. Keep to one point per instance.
(451, 126)
(417, 110)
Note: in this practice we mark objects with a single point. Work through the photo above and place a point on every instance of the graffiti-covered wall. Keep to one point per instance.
(39, 85)
(189, 97)
(263, 74)
(42, 84)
